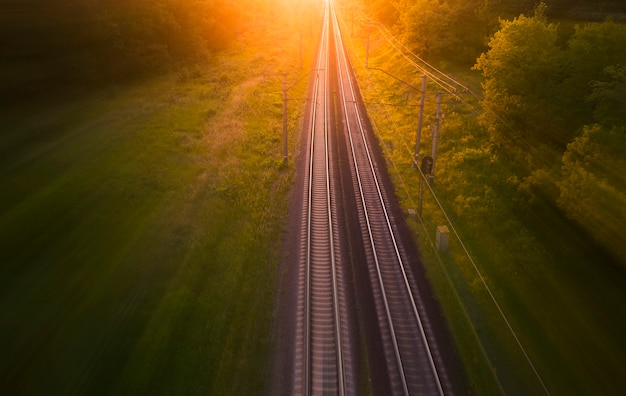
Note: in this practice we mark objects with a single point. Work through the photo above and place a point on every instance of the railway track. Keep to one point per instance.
(410, 360)
(325, 362)
(322, 355)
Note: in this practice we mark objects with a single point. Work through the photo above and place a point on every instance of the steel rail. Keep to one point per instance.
(361, 194)
(310, 377)
(343, 68)
(340, 373)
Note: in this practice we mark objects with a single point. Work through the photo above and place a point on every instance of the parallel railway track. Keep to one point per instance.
(404, 337)
(324, 362)
(322, 350)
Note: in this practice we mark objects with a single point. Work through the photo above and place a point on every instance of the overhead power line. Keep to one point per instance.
(451, 85)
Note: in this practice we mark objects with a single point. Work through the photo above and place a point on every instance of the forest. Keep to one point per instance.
(67, 44)
(553, 99)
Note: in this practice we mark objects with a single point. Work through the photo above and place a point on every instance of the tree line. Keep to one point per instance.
(459, 29)
(554, 103)
(52, 45)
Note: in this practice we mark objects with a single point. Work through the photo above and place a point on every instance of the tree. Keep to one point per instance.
(383, 11)
(62, 44)
(591, 50)
(508, 8)
(593, 184)
(522, 70)
(444, 29)
(609, 97)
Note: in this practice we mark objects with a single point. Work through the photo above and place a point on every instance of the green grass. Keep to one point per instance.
(140, 229)
(562, 301)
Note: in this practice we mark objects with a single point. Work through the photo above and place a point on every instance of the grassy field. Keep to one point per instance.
(534, 310)
(140, 227)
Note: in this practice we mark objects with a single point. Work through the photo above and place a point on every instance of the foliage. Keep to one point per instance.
(593, 185)
(384, 11)
(449, 29)
(592, 49)
(457, 30)
(541, 215)
(53, 46)
(507, 8)
(609, 97)
(469, 172)
(543, 94)
(140, 227)
(548, 277)
(538, 96)
(522, 70)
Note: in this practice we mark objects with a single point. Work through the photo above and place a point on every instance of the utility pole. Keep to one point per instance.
(419, 124)
(435, 136)
(285, 143)
(425, 169)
